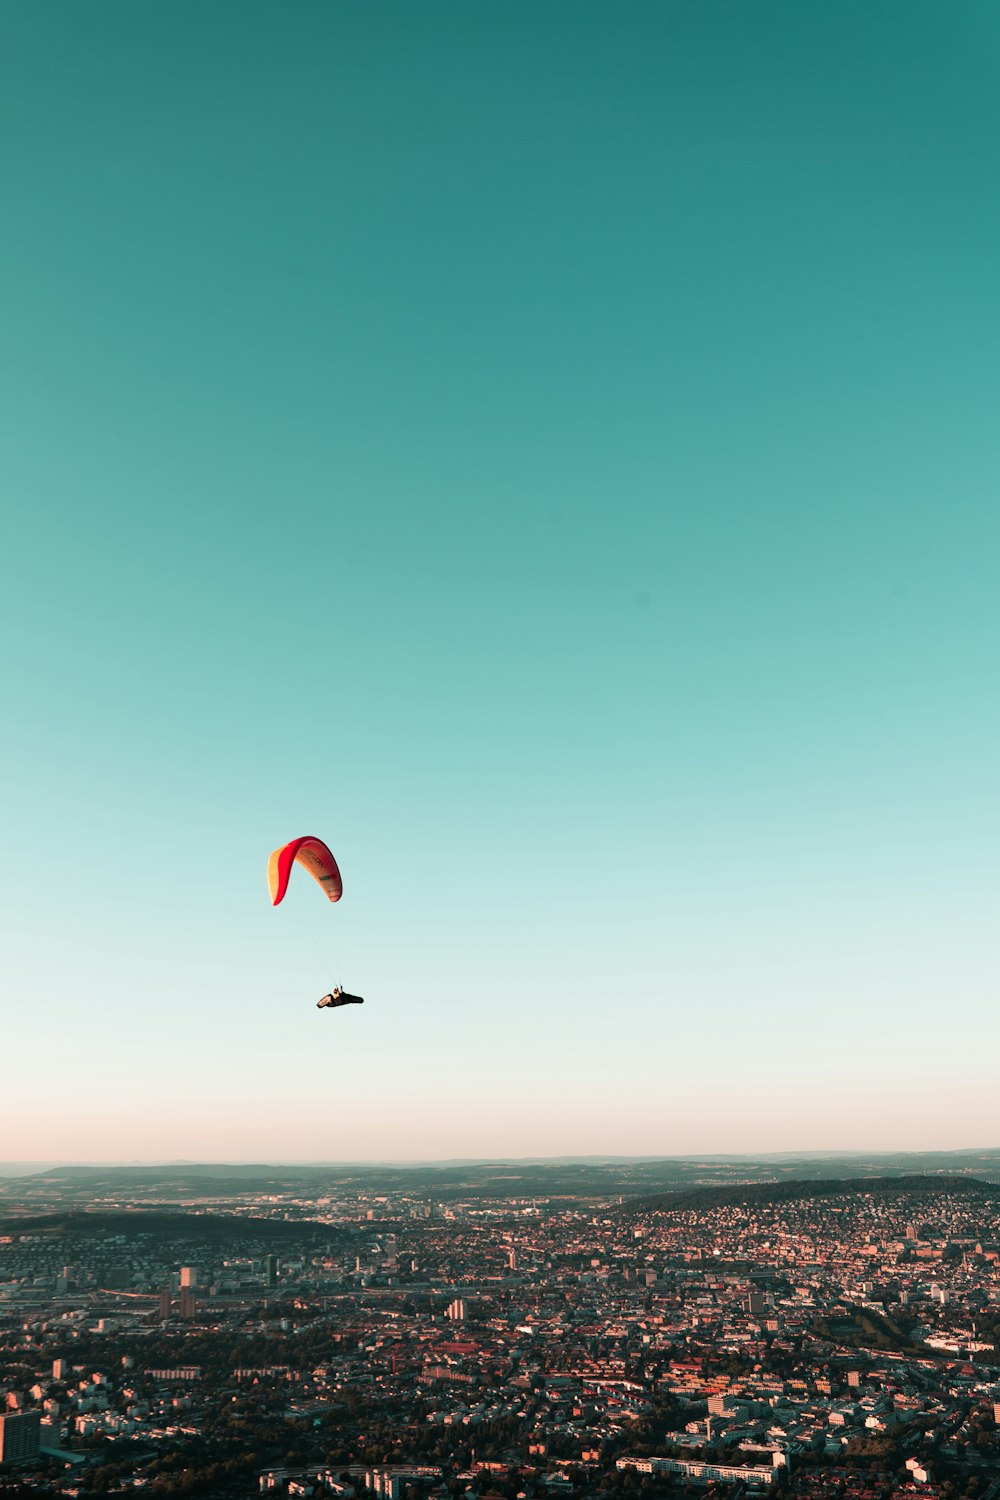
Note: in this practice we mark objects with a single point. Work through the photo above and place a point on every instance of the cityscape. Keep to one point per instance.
(466, 1332)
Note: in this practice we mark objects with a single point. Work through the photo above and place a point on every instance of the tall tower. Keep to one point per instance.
(19, 1436)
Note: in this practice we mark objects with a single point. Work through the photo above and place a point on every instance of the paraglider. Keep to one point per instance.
(313, 855)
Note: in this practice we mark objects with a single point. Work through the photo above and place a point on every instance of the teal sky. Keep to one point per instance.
(550, 451)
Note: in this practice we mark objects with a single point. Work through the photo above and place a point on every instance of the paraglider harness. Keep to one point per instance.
(338, 997)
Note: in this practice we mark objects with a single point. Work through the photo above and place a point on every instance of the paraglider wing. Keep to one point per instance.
(313, 854)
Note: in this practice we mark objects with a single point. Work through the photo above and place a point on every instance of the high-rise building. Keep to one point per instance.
(189, 1276)
(164, 1304)
(20, 1434)
(382, 1483)
(270, 1270)
(189, 1303)
(456, 1311)
(60, 1369)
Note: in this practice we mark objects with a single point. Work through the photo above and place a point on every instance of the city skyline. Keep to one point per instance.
(548, 453)
(829, 1340)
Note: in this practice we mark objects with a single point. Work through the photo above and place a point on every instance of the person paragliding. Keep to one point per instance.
(315, 857)
(338, 997)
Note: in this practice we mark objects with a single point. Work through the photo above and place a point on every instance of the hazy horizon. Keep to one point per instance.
(7, 1168)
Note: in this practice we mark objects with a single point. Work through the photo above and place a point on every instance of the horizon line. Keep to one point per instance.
(590, 1159)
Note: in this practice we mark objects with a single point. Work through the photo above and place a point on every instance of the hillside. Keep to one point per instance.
(805, 1188)
(149, 1221)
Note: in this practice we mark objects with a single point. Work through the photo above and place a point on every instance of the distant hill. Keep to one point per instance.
(141, 1221)
(160, 1172)
(806, 1188)
(57, 1188)
(202, 1179)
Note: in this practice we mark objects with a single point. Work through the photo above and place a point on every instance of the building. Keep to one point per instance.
(20, 1434)
(189, 1303)
(381, 1482)
(189, 1276)
(697, 1472)
(456, 1311)
(270, 1270)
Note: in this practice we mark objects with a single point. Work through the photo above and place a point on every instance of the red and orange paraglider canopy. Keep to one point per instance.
(314, 855)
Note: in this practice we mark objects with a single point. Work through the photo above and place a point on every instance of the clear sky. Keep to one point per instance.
(549, 450)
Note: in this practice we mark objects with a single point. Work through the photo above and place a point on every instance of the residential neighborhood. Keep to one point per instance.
(842, 1344)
